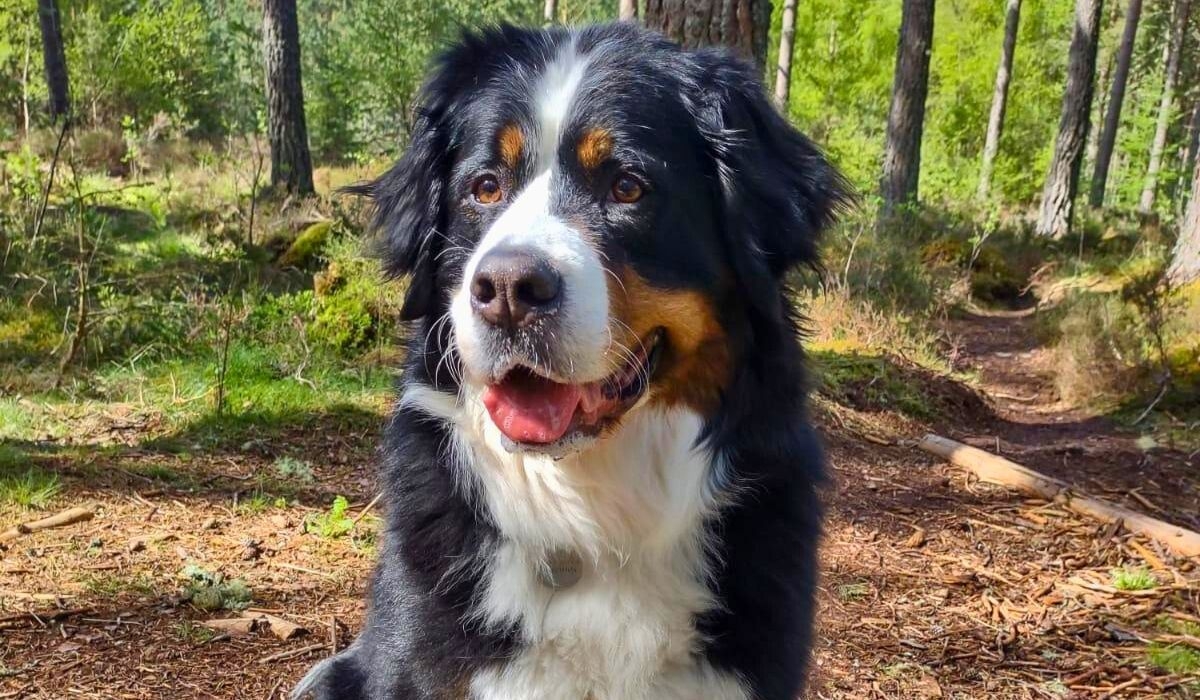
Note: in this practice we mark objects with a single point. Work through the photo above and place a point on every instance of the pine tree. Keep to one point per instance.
(1062, 181)
(1012, 20)
(906, 117)
(291, 163)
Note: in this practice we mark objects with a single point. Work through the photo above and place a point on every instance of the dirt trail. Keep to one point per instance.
(939, 587)
(933, 586)
(1035, 428)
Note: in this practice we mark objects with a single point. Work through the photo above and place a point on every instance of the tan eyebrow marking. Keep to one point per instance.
(512, 142)
(594, 147)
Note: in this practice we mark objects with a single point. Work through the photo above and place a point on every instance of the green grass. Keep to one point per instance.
(192, 633)
(259, 502)
(871, 382)
(160, 472)
(31, 489)
(17, 421)
(1174, 658)
(113, 585)
(1173, 626)
(1135, 579)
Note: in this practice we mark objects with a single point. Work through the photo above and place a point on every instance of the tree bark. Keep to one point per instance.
(906, 117)
(550, 14)
(627, 11)
(741, 25)
(291, 162)
(1185, 260)
(1062, 180)
(1174, 50)
(1112, 116)
(1188, 157)
(991, 146)
(54, 59)
(787, 39)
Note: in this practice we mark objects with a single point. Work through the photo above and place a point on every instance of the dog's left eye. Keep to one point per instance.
(487, 190)
(627, 189)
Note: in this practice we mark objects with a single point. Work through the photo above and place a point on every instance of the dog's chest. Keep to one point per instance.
(635, 515)
(623, 631)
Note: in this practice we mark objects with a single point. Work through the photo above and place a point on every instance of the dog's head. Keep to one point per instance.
(596, 219)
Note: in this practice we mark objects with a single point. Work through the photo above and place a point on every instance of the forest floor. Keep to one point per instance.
(933, 585)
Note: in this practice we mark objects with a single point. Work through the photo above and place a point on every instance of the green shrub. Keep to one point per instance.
(354, 304)
(1099, 357)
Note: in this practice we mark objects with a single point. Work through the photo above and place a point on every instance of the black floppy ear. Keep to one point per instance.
(410, 198)
(410, 212)
(778, 190)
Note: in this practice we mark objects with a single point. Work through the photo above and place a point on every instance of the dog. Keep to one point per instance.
(599, 477)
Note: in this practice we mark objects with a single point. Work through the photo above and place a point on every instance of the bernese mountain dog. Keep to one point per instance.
(599, 476)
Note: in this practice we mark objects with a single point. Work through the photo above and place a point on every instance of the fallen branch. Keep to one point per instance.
(997, 470)
(366, 510)
(292, 653)
(67, 517)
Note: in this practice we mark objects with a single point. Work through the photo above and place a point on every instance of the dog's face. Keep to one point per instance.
(596, 220)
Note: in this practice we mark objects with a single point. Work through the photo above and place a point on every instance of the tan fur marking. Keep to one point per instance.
(695, 364)
(594, 147)
(512, 142)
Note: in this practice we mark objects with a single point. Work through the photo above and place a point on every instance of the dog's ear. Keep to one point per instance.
(410, 199)
(778, 190)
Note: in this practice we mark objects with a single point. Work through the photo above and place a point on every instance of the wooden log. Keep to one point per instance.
(66, 517)
(997, 470)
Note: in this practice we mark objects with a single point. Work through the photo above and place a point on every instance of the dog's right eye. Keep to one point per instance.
(487, 190)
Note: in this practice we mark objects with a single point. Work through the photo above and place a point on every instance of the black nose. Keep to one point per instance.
(513, 287)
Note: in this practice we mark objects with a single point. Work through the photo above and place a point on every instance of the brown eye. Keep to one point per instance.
(627, 189)
(487, 190)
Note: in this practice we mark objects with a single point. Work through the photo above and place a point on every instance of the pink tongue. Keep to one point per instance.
(532, 409)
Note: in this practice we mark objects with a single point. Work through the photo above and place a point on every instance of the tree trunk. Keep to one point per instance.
(1112, 116)
(628, 10)
(741, 25)
(1105, 68)
(906, 117)
(991, 146)
(1188, 158)
(551, 12)
(1174, 50)
(291, 163)
(787, 38)
(54, 59)
(1062, 181)
(1185, 261)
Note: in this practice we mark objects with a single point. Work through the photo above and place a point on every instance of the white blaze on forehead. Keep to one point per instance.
(556, 91)
(581, 335)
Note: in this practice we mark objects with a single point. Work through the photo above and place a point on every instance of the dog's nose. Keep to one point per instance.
(513, 287)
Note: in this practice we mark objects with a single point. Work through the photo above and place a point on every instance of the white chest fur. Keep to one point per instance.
(633, 506)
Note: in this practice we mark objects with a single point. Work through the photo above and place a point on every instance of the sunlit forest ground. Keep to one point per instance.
(205, 365)
(220, 413)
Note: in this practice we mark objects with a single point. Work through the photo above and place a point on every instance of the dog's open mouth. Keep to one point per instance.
(532, 409)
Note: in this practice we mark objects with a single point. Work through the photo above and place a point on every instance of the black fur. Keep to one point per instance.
(738, 195)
